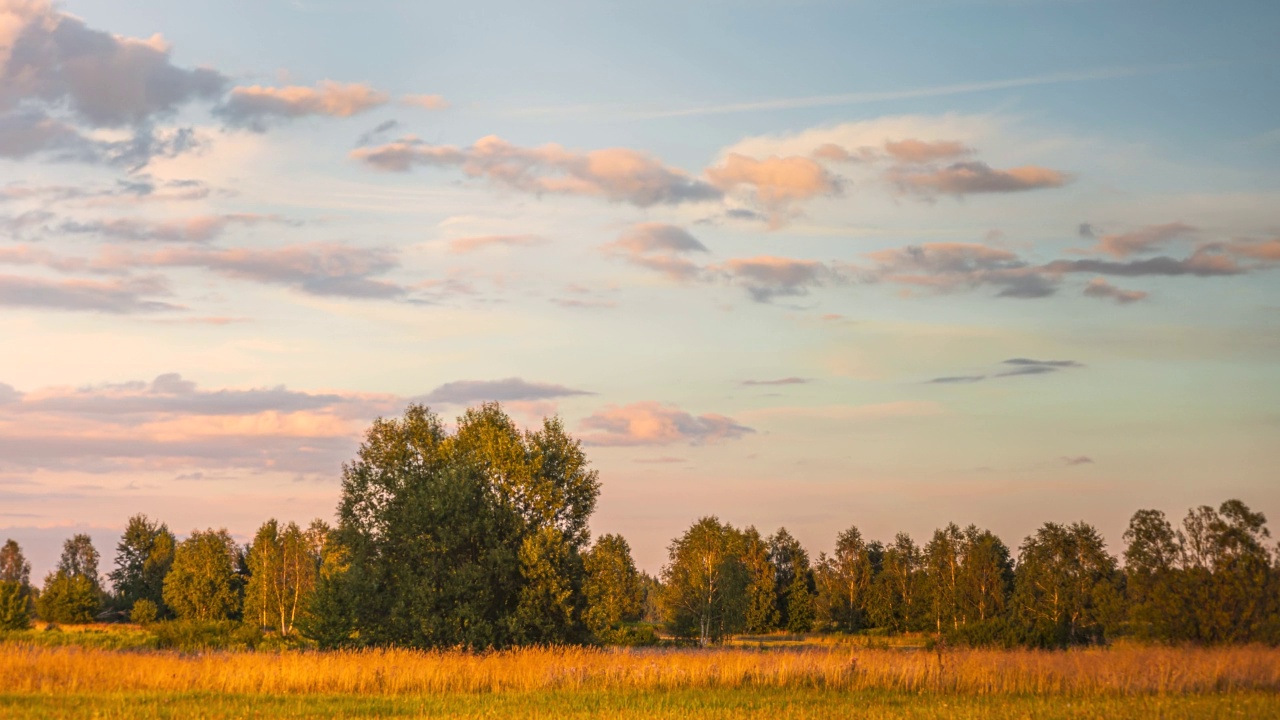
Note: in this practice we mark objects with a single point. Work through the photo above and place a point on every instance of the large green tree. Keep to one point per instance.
(613, 590)
(284, 565)
(762, 580)
(794, 585)
(203, 583)
(1064, 584)
(473, 538)
(986, 576)
(73, 592)
(704, 582)
(143, 558)
(844, 582)
(896, 598)
(15, 588)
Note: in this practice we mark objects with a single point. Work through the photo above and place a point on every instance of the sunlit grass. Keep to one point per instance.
(1125, 670)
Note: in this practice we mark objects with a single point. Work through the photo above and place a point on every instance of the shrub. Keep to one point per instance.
(15, 606)
(144, 612)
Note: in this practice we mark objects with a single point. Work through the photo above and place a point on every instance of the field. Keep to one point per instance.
(826, 681)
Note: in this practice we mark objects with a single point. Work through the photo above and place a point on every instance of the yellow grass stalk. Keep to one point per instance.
(1125, 670)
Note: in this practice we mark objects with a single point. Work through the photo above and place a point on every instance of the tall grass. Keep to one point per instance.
(1121, 671)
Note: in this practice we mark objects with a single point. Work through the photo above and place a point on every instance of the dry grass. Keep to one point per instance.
(26, 669)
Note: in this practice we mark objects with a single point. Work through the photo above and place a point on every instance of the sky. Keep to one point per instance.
(794, 263)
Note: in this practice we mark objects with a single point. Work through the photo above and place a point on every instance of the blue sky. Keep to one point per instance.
(809, 264)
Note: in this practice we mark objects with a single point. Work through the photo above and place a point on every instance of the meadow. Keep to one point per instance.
(815, 681)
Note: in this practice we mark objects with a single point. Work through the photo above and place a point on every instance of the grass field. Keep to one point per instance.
(828, 681)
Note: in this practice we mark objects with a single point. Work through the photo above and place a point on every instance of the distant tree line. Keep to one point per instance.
(478, 538)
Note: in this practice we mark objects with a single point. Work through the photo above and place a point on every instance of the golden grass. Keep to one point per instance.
(26, 669)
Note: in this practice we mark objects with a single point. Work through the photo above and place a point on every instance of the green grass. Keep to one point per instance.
(681, 704)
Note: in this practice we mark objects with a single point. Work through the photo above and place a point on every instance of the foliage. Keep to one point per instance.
(15, 605)
(144, 556)
(283, 567)
(144, 612)
(203, 584)
(704, 582)
(68, 598)
(1063, 582)
(473, 539)
(613, 590)
(14, 567)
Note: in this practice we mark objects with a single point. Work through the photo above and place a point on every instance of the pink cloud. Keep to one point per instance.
(920, 151)
(653, 423)
(426, 102)
(616, 174)
(464, 245)
(1122, 245)
(1099, 288)
(969, 178)
(775, 182)
(251, 106)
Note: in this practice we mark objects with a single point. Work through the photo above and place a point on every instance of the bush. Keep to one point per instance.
(200, 635)
(15, 606)
(630, 636)
(144, 612)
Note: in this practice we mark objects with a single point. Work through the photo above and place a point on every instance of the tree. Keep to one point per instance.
(143, 558)
(14, 567)
(73, 592)
(844, 581)
(762, 579)
(793, 582)
(943, 559)
(1063, 582)
(1152, 567)
(1230, 586)
(705, 582)
(613, 590)
(895, 598)
(283, 567)
(986, 575)
(203, 583)
(15, 588)
(468, 539)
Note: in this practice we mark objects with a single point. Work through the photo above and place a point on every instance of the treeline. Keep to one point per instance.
(478, 538)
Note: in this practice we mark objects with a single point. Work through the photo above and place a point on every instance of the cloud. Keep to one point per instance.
(322, 269)
(1204, 262)
(659, 247)
(775, 182)
(616, 174)
(252, 107)
(1265, 250)
(464, 245)
(171, 423)
(28, 132)
(1027, 366)
(170, 393)
(197, 229)
(117, 297)
(948, 267)
(106, 80)
(1123, 245)
(1018, 367)
(921, 151)
(653, 423)
(463, 392)
(425, 102)
(956, 380)
(779, 381)
(766, 277)
(1099, 288)
(1073, 461)
(975, 177)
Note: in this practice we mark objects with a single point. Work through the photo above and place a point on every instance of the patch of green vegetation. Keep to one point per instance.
(122, 638)
(792, 703)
